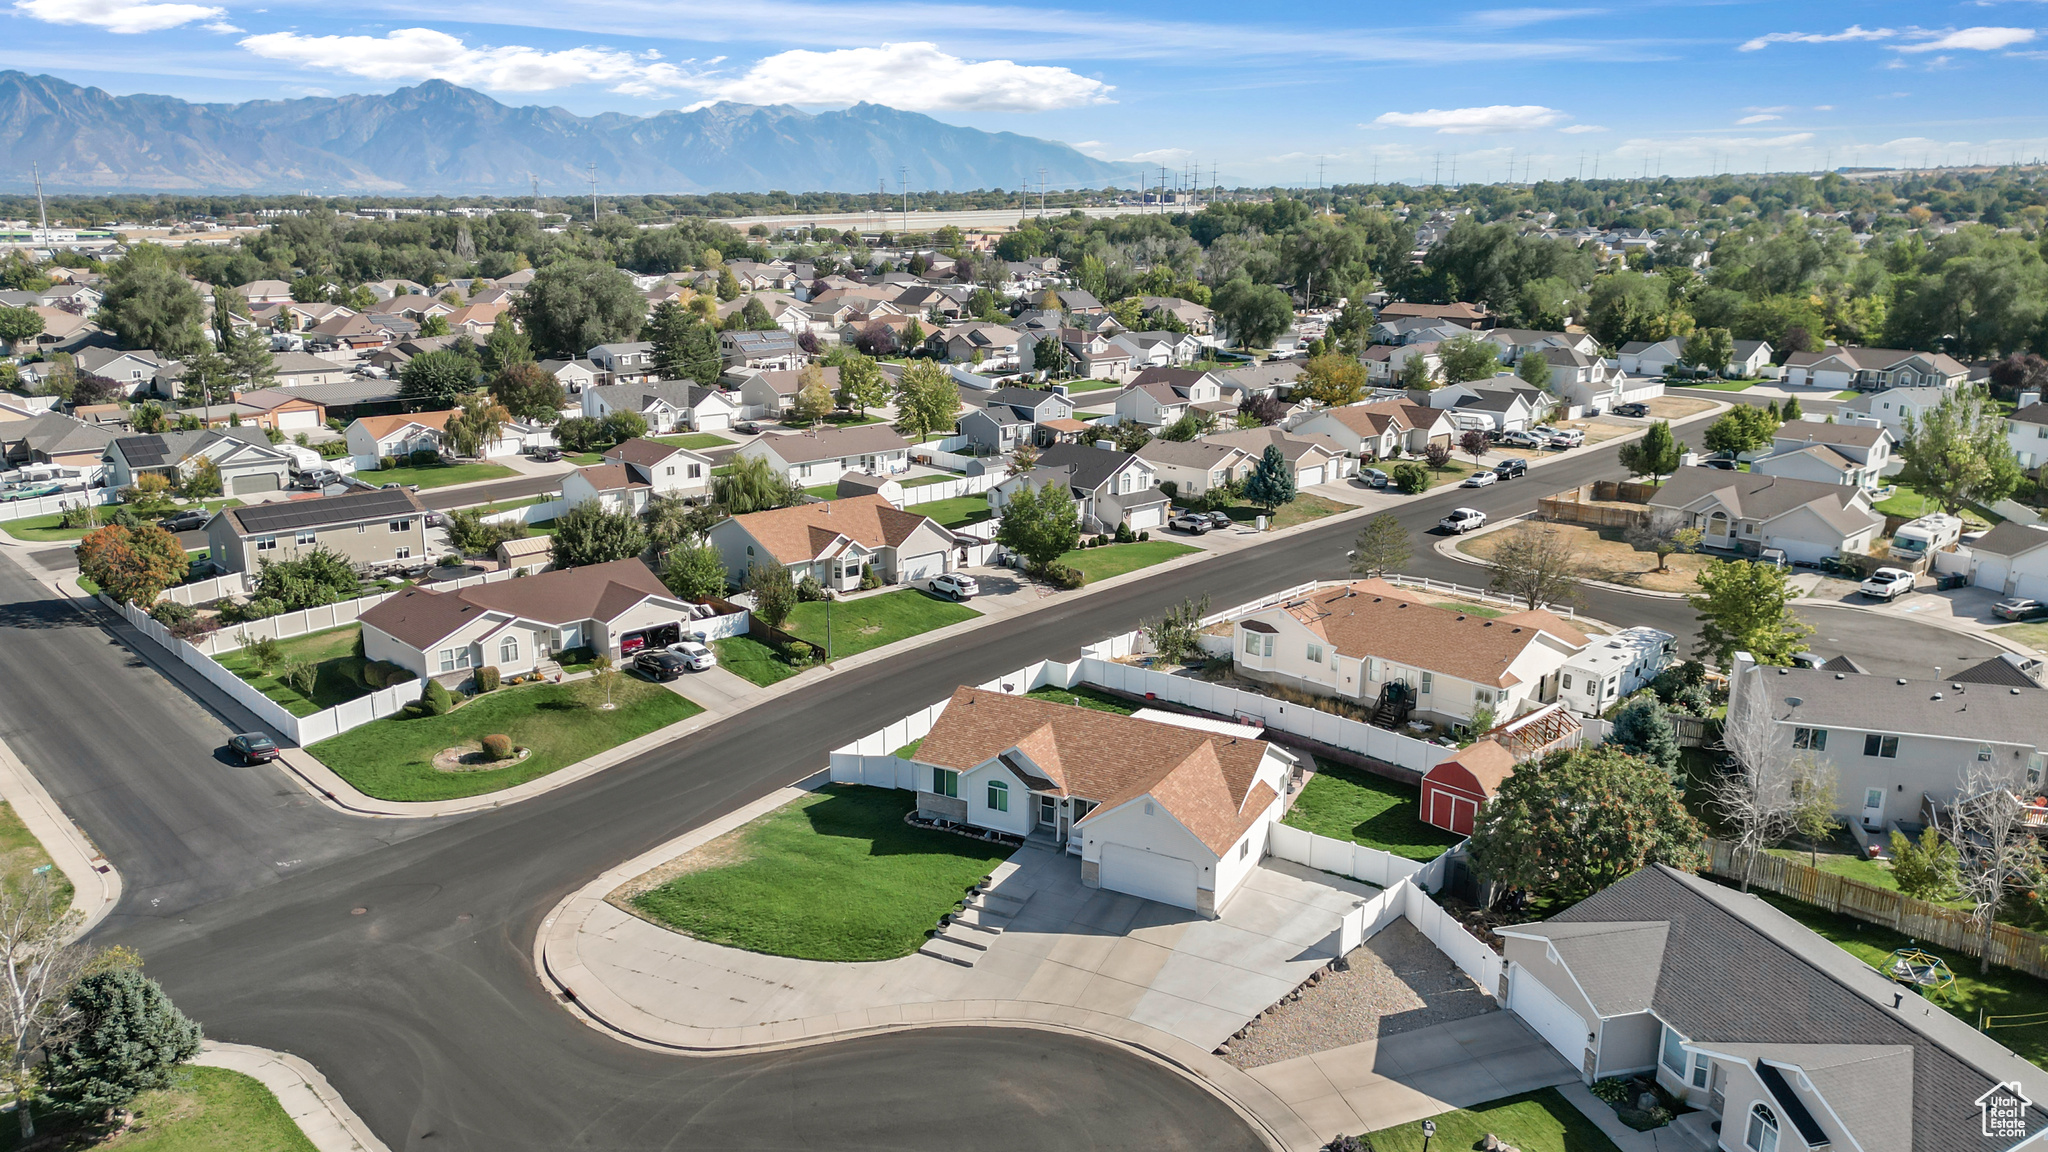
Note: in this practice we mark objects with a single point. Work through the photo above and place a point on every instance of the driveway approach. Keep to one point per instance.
(395, 955)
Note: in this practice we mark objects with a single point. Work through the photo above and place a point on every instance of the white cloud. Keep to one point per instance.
(1852, 32)
(1759, 118)
(125, 16)
(1522, 17)
(223, 27)
(1975, 39)
(1576, 129)
(914, 75)
(1475, 121)
(1168, 156)
(424, 54)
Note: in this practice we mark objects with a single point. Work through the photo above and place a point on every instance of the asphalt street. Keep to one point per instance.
(395, 955)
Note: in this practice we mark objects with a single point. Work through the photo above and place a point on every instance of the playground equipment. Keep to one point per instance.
(1928, 974)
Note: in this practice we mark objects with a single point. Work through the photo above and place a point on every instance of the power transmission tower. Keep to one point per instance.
(1437, 180)
(903, 183)
(593, 195)
(1041, 192)
(42, 209)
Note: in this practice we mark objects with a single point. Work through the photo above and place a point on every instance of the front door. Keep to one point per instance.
(1873, 808)
(1049, 813)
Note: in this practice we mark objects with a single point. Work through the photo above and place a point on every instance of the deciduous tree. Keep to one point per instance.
(927, 400)
(527, 392)
(588, 534)
(1041, 523)
(1576, 822)
(861, 383)
(574, 305)
(1536, 564)
(1333, 380)
(773, 591)
(752, 485)
(813, 402)
(695, 572)
(436, 378)
(1663, 532)
(477, 421)
(1655, 454)
(1958, 454)
(133, 565)
(39, 965)
(1468, 358)
(1382, 546)
(1746, 607)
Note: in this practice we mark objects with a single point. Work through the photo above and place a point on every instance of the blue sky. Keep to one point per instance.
(1409, 91)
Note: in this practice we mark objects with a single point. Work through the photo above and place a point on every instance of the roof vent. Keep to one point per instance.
(1957, 687)
(1794, 701)
(1902, 680)
(1936, 696)
(1840, 676)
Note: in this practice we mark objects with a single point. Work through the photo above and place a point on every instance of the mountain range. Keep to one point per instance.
(437, 137)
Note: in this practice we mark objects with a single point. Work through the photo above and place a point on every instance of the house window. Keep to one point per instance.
(998, 796)
(1482, 697)
(305, 537)
(1674, 1052)
(1244, 848)
(1700, 1064)
(1873, 797)
(401, 525)
(454, 658)
(1251, 643)
(1315, 653)
(696, 471)
(670, 471)
(1269, 644)
(945, 782)
(1885, 746)
(1984, 753)
(1428, 682)
(266, 543)
(401, 553)
(508, 650)
(1810, 739)
(1763, 1130)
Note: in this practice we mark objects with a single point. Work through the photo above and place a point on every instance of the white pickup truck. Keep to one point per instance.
(1887, 584)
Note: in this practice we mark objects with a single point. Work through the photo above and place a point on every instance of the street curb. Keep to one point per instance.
(95, 884)
(1985, 635)
(1448, 549)
(557, 959)
(306, 1096)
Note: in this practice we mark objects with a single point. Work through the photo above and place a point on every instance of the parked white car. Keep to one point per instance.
(1479, 480)
(1887, 584)
(699, 656)
(1462, 520)
(955, 586)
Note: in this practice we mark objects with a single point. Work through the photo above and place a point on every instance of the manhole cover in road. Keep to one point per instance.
(357, 911)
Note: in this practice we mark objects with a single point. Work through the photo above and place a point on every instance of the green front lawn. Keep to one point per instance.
(957, 512)
(1716, 385)
(1075, 386)
(823, 491)
(1300, 510)
(203, 1110)
(1117, 559)
(584, 459)
(1454, 472)
(1539, 1121)
(333, 656)
(2034, 634)
(836, 876)
(510, 505)
(748, 658)
(438, 475)
(1346, 803)
(696, 441)
(43, 529)
(22, 855)
(2003, 993)
(393, 758)
(921, 481)
(1911, 504)
(1082, 696)
(873, 621)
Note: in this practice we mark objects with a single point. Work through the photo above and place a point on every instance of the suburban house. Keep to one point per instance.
(364, 528)
(1461, 313)
(1414, 330)
(1199, 320)
(1650, 357)
(634, 473)
(1313, 459)
(573, 375)
(975, 342)
(1752, 359)
(1893, 407)
(1112, 486)
(1515, 343)
(285, 409)
(1272, 379)
(2012, 560)
(54, 438)
(351, 333)
(1384, 363)
(1158, 349)
(763, 350)
(524, 625)
(1169, 813)
(265, 292)
(1368, 641)
(1873, 369)
(820, 455)
(1855, 454)
(834, 540)
(1779, 1038)
(1898, 746)
(1364, 431)
(371, 438)
(248, 462)
(629, 363)
(773, 391)
(1748, 512)
(1503, 409)
(1195, 466)
(1159, 396)
(1454, 790)
(2027, 431)
(298, 369)
(1012, 416)
(666, 405)
(133, 371)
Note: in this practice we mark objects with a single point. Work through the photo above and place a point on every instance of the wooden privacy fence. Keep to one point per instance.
(1693, 731)
(1575, 507)
(2011, 947)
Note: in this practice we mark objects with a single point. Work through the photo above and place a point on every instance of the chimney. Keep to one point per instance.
(2029, 399)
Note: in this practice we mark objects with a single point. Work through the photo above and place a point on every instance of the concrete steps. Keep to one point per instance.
(967, 938)
(951, 951)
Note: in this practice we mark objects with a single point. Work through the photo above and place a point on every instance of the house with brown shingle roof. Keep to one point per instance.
(1174, 814)
(834, 540)
(1369, 639)
(1367, 431)
(520, 626)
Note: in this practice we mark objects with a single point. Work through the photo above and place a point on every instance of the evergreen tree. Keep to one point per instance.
(129, 1038)
(1642, 729)
(1271, 482)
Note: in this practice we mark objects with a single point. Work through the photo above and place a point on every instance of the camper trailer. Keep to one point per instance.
(1917, 539)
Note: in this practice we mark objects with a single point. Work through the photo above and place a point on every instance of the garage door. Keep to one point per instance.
(1991, 573)
(1145, 518)
(1167, 879)
(713, 422)
(659, 636)
(1541, 1010)
(302, 418)
(1310, 477)
(917, 569)
(254, 482)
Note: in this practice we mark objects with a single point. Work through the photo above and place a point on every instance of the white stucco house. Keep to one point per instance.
(636, 471)
(835, 540)
(1169, 813)
(822, 455)
(1748, 512)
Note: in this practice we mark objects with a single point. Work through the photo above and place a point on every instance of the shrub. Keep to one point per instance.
(424, 458)
(486, 679)
(301, 675)
(387, 462)
(263, 652)
(437, 700)
(373, 674)
(195, 626)
(1144, 536)
(1064, 576)
(170, 613)
(870, 577)
(332, 449)
(808, 590)
(1171, 489)
(497, 745)
(1124, 535)
(1410, 478)
(261, 608)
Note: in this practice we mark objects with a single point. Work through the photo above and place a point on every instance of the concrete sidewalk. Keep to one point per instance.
(313, 1104)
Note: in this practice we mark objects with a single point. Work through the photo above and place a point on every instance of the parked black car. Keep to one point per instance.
(186, 521)
(253, 747)
(1631, 409)
(1511, 467)
(660, 664)
(547, 455)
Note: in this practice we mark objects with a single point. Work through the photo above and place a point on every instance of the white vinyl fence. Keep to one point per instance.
(287, 624)
(1405, 900)
(56, 502)
(1373, 866)
(721, 627)
(530, 514)
(300, 730)
(211, 589)
(939, 458)
(949, 489)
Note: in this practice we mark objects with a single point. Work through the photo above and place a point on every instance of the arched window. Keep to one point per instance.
(508, 650)
(1763, 1130)
(998, 796)
(1717, 524)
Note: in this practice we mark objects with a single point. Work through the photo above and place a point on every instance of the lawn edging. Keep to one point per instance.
(557, 957)
(301, 1090)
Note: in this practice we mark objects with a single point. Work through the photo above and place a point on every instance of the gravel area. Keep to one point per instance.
(1397, 982)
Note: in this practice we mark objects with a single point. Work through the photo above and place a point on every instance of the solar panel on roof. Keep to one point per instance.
(328, 510)
(145, 451)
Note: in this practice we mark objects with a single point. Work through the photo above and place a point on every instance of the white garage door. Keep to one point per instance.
(1310, 477)
(713, 422)
(917, 569)
(1167, 879)
(254, 482)
(2033, 584)
(1991, 573)
(303, 418)
(1145, 518)
(1540, 1009)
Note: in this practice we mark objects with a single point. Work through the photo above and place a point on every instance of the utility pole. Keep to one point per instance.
(903, 183)
(1319, 182)
(42, 209)
(593, 194)
(1041, 192)
(535, 178)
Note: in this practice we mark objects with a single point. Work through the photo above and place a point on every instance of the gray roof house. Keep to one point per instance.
(821, 455)
(54, 438)
(1779, 1038)
(666, 405)
(364, 528)
(1111, 486)
(1750, 511)
(247, 461)
(1270, 378)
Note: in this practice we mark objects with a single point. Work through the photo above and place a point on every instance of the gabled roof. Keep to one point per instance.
(421, 617)
(1369, 419)
(1085, 466)
(643, 452)
(1816, 432)
(1615, 962)
(1199, 454)
(1255, 441)
(807, 531)
(1206, 781)
(381, 426)
(609, 477)
(1876, 359)
(2031, 414)
(833, 443)
(1374, 618)
(1761, 497)
(324, 511)
(2012, 538)
(788, 381)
